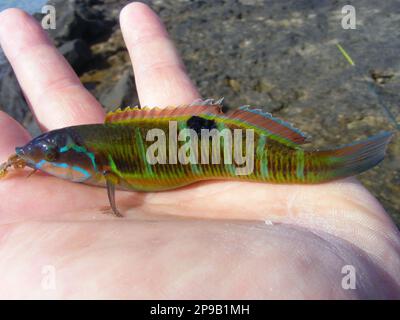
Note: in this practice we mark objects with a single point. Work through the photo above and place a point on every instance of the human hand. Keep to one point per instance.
(210, 240)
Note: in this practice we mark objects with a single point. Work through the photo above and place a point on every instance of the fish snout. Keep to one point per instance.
(20, 151)
(27, 153)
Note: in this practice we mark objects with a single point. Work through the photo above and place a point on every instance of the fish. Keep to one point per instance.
(158, 149)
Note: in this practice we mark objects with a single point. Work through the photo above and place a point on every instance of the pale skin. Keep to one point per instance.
(210, 240)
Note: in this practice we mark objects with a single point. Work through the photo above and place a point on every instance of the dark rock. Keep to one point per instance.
(121, 94)
(12, 100)
(78, 19)
(77, 53)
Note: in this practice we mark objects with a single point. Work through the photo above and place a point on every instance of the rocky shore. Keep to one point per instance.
(279, 55)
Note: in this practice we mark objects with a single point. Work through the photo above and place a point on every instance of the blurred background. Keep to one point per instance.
(280, 55)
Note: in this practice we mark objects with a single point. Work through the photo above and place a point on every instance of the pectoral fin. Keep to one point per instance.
(111, 181)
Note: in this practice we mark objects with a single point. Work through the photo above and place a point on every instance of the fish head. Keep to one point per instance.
(59, 153)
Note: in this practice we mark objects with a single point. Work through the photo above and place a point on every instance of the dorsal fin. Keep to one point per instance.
(266, 121)
(256, 117)
(125, 115)
(207, 102)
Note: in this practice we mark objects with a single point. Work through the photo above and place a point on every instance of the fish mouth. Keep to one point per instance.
(21, 153)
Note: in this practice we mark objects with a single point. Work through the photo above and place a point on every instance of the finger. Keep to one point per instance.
(12, 135)
(159, 72)
(53, 90)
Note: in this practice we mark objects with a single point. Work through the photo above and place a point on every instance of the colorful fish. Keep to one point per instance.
(153, 149)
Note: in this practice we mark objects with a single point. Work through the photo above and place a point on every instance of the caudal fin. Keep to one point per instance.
(359, 156)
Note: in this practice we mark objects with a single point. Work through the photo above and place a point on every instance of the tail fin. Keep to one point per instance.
(359, 156)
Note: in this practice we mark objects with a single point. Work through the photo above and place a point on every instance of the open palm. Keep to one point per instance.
(209, 240)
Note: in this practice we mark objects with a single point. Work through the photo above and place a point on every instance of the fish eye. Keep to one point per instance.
(51, 155)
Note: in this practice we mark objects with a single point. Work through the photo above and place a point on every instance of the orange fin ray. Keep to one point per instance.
(123, 116)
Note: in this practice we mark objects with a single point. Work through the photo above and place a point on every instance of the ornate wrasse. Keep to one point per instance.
(155, 149)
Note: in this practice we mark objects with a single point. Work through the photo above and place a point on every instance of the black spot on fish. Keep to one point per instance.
(197, 123)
